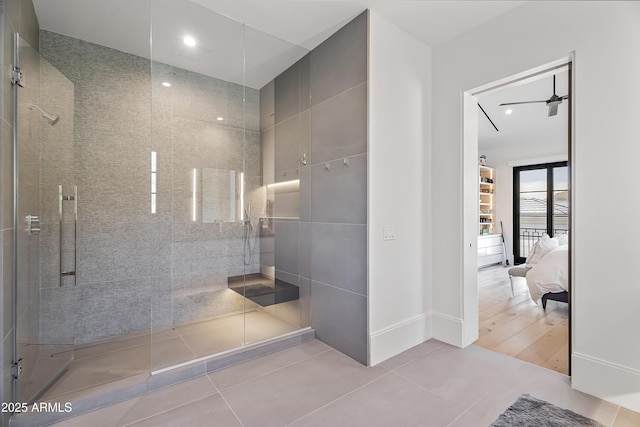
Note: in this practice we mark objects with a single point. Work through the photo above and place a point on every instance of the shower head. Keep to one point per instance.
(51, 118)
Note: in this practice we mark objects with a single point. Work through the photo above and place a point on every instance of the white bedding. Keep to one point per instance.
(550, 274)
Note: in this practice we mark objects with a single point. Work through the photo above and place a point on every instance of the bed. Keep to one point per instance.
(548, 276)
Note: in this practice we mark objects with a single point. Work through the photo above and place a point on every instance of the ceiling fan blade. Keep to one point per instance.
(523, 102)
(553, 109)
(488, 118)
(565, 97)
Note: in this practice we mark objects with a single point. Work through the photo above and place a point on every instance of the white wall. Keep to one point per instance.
(399, 147)
(605, 37)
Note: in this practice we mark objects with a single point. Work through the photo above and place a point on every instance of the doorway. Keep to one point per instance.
(489, 323)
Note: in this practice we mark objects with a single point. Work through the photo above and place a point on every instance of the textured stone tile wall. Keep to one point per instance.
(136, 269)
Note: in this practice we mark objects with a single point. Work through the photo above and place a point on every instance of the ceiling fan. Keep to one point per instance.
(552, 102)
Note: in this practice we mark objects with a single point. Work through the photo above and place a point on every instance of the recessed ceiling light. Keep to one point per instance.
(166, 84)
(189, 41)
(220, 118)
(508, 111)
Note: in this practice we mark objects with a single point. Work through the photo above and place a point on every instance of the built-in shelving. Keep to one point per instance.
(487, 202)
(489, 242)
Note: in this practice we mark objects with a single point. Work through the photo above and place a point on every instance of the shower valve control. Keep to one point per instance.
(33, 224)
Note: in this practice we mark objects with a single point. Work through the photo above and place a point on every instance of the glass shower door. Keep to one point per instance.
(44, 222)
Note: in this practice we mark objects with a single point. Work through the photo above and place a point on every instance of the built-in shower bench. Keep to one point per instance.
(263, 290)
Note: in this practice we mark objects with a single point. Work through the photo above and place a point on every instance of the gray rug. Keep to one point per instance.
(528, 411)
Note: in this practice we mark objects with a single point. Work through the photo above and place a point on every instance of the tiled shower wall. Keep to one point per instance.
(316, 112)
(134, 265)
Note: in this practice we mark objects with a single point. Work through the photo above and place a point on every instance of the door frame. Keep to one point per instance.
(469, 156)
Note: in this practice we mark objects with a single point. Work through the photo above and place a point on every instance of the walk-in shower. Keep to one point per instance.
(152, 191)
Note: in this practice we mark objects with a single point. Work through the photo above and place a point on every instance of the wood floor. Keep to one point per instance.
(517, 326)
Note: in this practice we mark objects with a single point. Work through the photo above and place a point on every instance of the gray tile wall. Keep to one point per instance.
(320, 112)
(285, 132)
(151, 270)
(338, 205)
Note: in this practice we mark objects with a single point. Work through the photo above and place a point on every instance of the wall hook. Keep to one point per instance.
(304, 158)
(326, 167)
(345, 162)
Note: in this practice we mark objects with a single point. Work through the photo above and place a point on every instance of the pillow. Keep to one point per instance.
(542, 247)
(563, 239)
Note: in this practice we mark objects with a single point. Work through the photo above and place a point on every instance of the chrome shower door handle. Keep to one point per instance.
(74, 198)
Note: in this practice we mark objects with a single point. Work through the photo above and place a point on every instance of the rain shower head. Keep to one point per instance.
(51, 118)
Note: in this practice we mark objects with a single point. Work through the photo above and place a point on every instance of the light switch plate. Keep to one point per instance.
(389, 233)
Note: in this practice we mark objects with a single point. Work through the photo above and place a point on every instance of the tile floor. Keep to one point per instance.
(311, 384)
(136, 354)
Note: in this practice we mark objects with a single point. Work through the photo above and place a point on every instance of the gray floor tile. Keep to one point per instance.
(117, 344)
(432, 384)
(414, 353)
(170, 352)
(627, 418)
(463, 376)
(110, 416)
(206, 412)
(390, 400)
(541, 383)
(287, 394)
(489, 407)
(468, 419)
(168, 398)
(260, 326)
(253, 369)
(101, 369)
(93, 392)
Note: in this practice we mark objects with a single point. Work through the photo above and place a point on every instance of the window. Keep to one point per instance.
(540, 204)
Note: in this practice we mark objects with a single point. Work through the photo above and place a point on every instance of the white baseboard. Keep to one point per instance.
(609, 381)
(400, 337)
(448, 329)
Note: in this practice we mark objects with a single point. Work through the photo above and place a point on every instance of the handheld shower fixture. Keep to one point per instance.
(51, 118)
(248, 228)
(247, 216)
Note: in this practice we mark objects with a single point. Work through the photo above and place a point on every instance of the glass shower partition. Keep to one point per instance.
(210, 176)
(198, 180)
(162, 198)
(45, 222)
